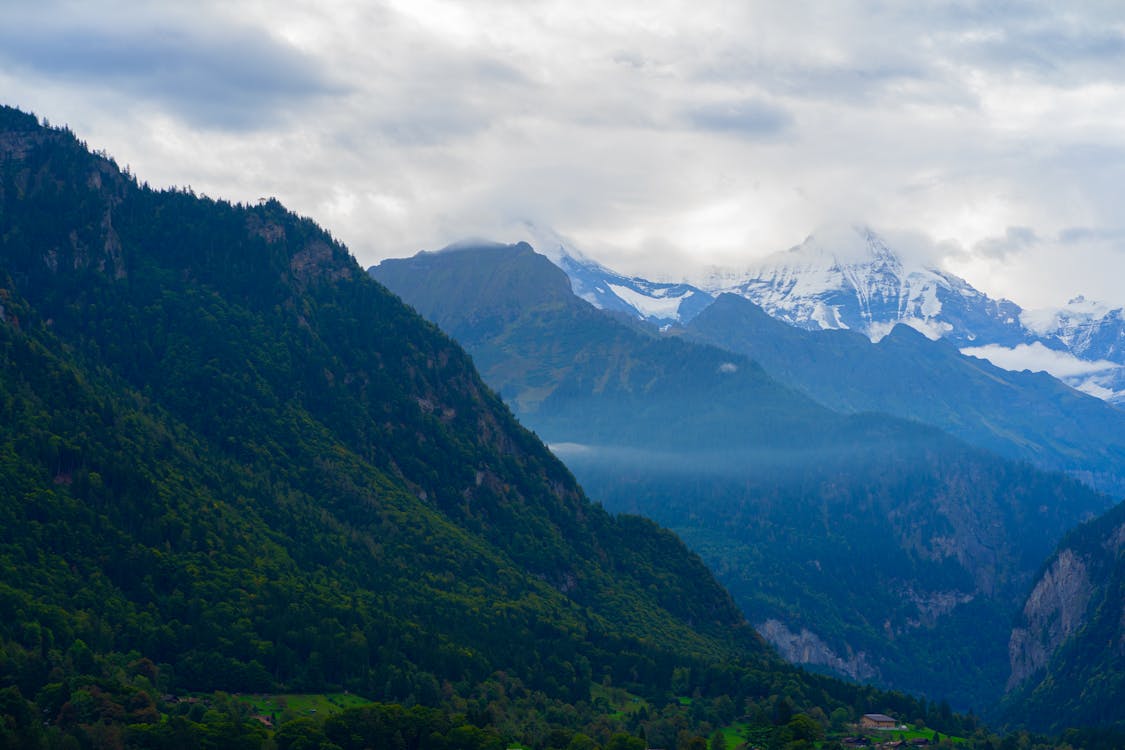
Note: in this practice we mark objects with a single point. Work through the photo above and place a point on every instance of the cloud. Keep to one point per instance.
(747, 117)
(1054, 44)
(1082, 235)
(208, 72)
(1038, 358)
(661, 138)
(1015, 240)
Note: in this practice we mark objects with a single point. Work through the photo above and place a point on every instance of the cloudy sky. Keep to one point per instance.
(988, 138)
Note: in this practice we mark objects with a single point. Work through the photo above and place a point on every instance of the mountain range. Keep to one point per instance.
(231, 461)
(849, 278)
(1021, 415)
(869, 545)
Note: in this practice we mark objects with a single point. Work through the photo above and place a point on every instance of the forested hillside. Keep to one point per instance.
(231, 461)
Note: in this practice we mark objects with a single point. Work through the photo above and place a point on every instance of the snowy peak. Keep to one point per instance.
(1089, 329)
(658, 302)
(851, 278)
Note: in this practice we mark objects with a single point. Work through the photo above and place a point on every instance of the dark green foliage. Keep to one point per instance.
(228, 452)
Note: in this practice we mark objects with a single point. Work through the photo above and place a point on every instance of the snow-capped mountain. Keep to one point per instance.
(1094, 333)
(659, 302)
(1089, 329)
(851, 279)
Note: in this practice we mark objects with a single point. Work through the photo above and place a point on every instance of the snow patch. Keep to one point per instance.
(650, 307)
(931, 305)
(828, 318)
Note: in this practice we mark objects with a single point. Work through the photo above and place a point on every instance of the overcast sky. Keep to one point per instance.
(987, 138)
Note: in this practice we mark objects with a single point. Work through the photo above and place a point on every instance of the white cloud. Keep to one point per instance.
(1038, 358)
(657, 134)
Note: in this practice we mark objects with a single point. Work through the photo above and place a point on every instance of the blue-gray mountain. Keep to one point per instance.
(877, 547)
(1021, 415)
(852, 279)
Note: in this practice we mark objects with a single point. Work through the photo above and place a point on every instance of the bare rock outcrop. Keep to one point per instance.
(806, 647)
(1054, 611)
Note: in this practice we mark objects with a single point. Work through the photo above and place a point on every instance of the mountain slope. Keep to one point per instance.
(225, 450)
(1025, 416)
(582, 375)
(898, 550)
(1067, 648)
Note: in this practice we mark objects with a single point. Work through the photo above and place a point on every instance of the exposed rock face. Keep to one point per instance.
(1068, 652)
(933, 605)
(1054, 611)
(806, 647)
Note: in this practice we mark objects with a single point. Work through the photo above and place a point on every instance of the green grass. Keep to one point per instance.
(735, 734)
(910, 733)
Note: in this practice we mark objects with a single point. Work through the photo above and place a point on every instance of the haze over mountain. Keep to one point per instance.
(1026, 416)
(871, 546)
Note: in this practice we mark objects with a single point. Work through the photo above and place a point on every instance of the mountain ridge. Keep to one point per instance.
(850, 278)
(1023, 416)
(1067, 645)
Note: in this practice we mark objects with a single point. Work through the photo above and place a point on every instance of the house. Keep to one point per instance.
(877, 721)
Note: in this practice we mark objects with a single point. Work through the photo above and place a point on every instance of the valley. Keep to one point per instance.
(855, 541)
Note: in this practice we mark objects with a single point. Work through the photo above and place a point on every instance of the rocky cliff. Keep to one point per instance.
(1067, 651)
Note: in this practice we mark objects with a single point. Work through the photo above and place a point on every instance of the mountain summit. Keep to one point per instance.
(851, 278)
